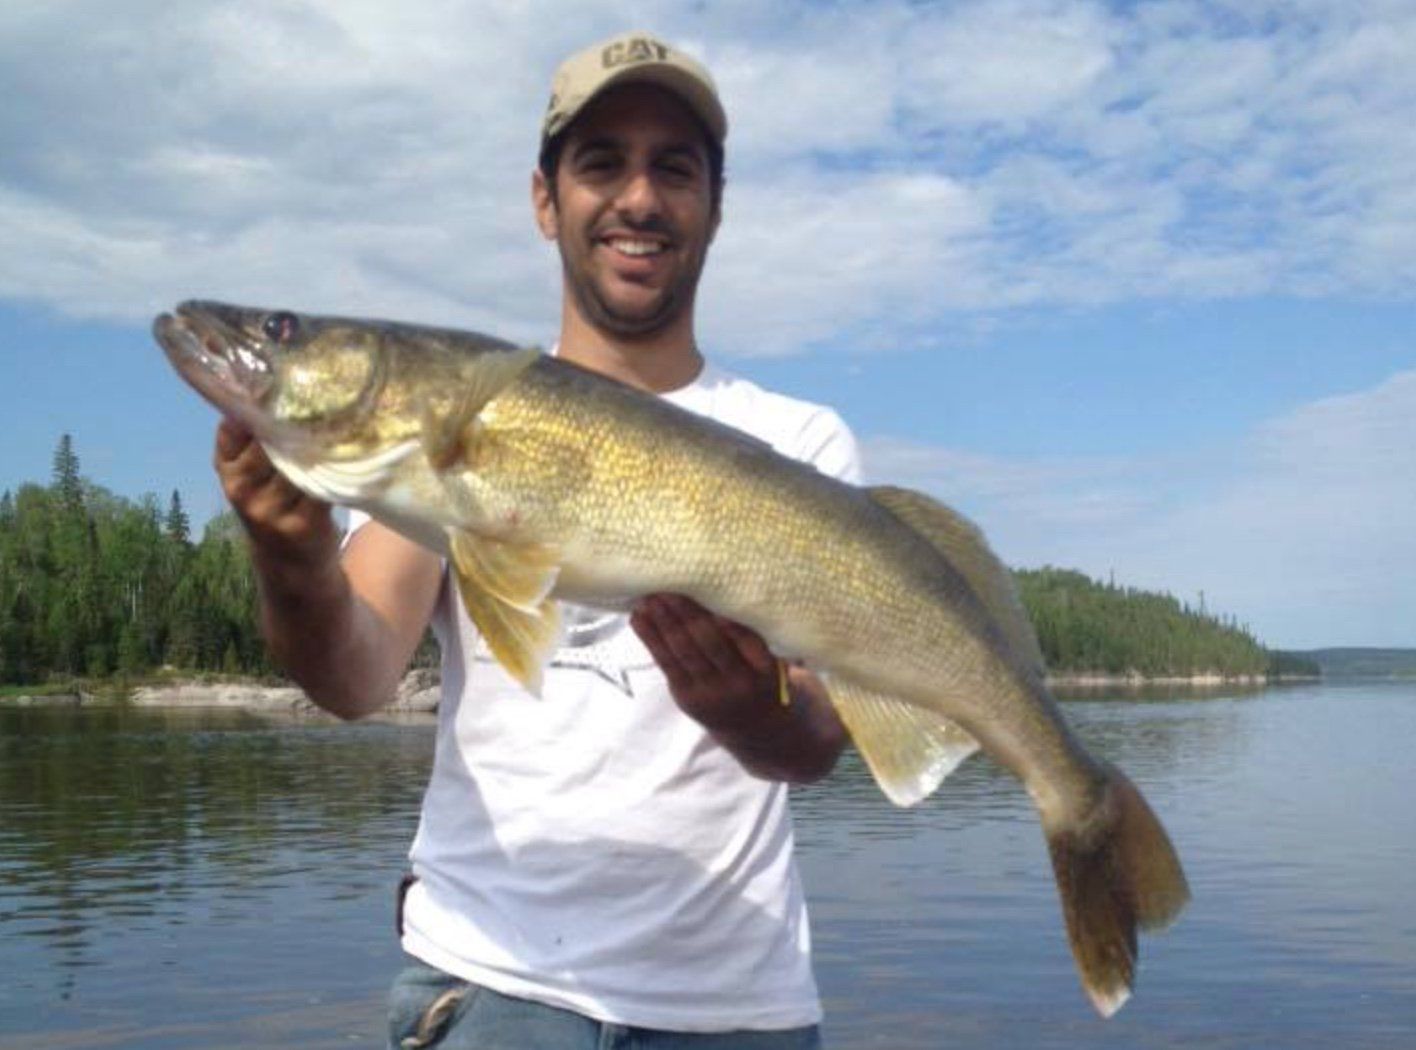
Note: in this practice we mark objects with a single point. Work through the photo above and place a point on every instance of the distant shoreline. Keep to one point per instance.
(1069, 679)
(417, 695)
(419, 691)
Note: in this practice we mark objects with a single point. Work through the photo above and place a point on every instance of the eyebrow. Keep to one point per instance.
(688, 149)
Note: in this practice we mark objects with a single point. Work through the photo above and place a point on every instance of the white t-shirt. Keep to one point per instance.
(594, 849)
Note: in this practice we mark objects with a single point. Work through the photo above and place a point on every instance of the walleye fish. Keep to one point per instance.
(541, 481)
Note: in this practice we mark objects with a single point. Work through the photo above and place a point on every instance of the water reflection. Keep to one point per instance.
(213, 879)
(176, 839)
(1291, 809)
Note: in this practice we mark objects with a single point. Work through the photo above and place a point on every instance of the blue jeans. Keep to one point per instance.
(428, 1008)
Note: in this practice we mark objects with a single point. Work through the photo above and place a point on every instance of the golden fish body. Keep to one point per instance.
(638, 496)
(541, 481)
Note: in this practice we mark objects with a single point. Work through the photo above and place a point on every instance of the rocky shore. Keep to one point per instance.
(417, 695)
(1085, 679)
(418, 692)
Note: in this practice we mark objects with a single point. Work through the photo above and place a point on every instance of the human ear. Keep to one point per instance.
(543, 203)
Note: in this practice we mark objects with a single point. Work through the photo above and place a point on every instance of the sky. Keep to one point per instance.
(1130, 284)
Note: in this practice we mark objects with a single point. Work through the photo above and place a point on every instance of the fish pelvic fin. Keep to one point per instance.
(506, 588)
(1116, 870)
(909, 749)
(961, 542)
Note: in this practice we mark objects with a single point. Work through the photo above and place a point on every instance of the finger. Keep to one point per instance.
(750, 645)
(647, 624)
(674, 638)
(697, 640)
(805, 683)
(261, 495)
(239, 453)
(291, 499)
(287, 506)
(231, 439)
(731, 646)
(247, 477)
(252, 459)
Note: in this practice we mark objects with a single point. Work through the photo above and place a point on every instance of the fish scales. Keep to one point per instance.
(825, 555)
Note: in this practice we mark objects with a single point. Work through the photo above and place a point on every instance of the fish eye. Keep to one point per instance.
(281, 326)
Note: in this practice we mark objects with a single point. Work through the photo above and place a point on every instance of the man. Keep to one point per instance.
(610, 864)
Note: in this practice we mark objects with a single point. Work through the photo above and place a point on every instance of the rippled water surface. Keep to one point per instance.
(179, 879)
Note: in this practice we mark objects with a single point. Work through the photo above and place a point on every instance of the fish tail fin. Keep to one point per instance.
(1116, 870)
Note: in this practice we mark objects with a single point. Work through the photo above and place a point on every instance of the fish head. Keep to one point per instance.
(299, 382)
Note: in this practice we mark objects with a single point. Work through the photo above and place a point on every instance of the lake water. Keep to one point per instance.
(180, 879)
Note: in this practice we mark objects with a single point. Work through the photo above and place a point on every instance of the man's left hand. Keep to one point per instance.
(723, 675)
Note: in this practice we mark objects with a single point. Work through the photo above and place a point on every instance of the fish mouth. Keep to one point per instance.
(219, 359)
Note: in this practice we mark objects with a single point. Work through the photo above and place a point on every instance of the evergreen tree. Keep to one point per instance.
(67, 482)
(17, 639)
(132, 651)
(177, 527)
(183, 625)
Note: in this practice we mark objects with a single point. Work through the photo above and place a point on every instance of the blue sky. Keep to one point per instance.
(1131, 284)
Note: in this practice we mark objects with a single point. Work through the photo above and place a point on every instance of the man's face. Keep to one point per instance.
(632, 210)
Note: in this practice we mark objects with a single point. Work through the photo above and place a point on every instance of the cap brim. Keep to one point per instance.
(703, 102)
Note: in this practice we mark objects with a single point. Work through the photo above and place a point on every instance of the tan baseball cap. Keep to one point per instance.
(634, 57)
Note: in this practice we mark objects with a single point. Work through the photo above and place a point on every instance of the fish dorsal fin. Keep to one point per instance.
(445, 434)
(506, 588)
(344, 480)
(909, 749)
(961, 542)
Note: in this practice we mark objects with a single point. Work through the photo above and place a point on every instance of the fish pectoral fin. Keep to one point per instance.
(445, 439)
(445, 436)
(506, 588)
(909, 749)
(961, 542)
(344, 480)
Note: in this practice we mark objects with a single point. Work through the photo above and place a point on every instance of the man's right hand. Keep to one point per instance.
(342, 625)
(285, 525)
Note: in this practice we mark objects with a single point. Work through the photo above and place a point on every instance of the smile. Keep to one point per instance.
(634, 246)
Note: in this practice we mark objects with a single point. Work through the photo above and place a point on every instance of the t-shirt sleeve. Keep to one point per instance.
(357, 519)
(828, 444)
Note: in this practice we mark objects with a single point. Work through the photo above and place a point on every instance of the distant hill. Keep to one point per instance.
(1086, 626)
(1363, 663)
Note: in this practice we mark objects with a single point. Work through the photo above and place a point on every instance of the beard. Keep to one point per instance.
(602, 312)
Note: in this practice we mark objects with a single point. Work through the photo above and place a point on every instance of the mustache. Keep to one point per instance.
(649, 224)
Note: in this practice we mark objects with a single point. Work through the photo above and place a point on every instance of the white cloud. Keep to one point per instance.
(1302, 530)
(1008, 61)
(891, 165)
(763, 295)
(786, 98)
